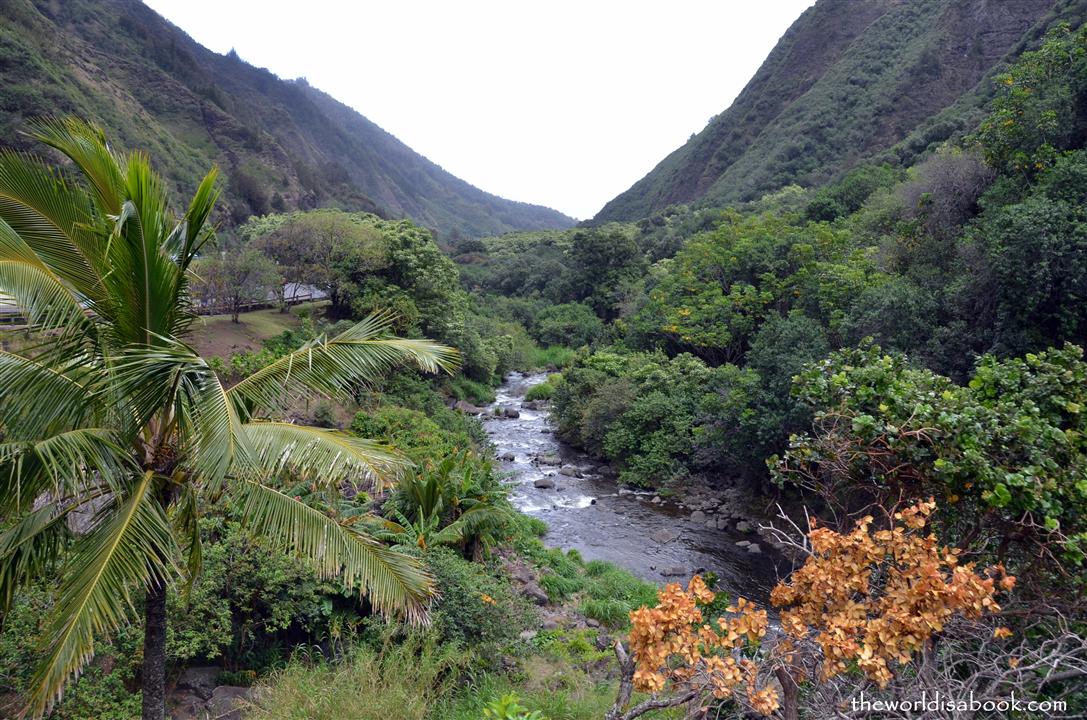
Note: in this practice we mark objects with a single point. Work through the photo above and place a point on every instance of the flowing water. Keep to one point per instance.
(603, 521)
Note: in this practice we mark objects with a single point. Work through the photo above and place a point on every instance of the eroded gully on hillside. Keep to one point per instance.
(587, 511)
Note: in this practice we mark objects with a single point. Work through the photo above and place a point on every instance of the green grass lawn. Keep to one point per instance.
(219, 335)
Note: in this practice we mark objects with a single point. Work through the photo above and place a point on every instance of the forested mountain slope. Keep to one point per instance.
(283, 144)
(849, 80)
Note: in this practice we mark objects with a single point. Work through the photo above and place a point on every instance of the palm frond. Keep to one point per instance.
(36, 400)
(185, 514)
(28, 548)
(336, 367)
(211, 435)
(483, 518)
(86, 146)
(328, 457)
(46, 305)
(53, 217)
(394, 583)
(190, 235)
(65, 464)
(130, 549)
(148, 377)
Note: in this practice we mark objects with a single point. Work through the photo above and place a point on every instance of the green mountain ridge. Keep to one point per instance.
(849, 81)
(283, 145)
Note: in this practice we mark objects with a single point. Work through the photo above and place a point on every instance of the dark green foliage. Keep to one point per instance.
(1033, 253)
(1041, 106)
(571, 324)
(1005, 454)
(602, 263)
(104, 691)
(252, 604)
(714, 294)
(463, 614)
(646, 412)
(848, 195)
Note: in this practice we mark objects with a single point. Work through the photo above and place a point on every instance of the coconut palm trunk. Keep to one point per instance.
(115, 418)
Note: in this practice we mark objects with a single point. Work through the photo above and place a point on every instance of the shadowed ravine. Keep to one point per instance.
(603, 521)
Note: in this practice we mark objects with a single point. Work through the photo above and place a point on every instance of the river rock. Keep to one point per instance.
(468, 408)
(754, 548)
(674, 571)
(227, 702)
(607, 472)
(664, 535)
(549, 459)
(535, 593)
(184, 705)
(722, 523)
(698, 516)
(743, 526)
(544, 483)
(199, 680)
(656, 500)
(711, 524)
(508, 456)
(521, 573)
(743, 543)
(570, 471)
(530, 405)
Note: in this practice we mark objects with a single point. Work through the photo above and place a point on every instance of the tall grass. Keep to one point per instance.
(401, 680)
(557, 690)
(551, 356)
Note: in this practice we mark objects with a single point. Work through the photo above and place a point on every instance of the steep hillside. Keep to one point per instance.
(284, 145)
(849, 80)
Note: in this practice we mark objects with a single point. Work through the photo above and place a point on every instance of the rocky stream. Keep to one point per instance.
(586, 510)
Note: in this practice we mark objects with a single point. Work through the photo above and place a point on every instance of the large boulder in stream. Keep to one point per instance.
(544, 483)
(664, 535)
(548, 459)
(468, 408)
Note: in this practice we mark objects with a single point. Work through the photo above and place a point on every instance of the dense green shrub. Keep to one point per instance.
(1006, 454)
(477, 606)
(544, 390)
(571, 324)
(103, 692)
(646, 412)
(251, 605)
(479, 393)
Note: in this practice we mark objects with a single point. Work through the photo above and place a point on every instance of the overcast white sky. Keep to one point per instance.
(558, 102)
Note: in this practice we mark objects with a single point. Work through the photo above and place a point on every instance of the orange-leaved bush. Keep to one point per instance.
(868, 599)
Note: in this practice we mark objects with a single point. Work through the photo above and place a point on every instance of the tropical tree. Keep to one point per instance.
(236, 278)
(115, 433)
(446, 505)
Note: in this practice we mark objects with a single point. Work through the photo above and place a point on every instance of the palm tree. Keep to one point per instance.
(114, 425)
(446, 506)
